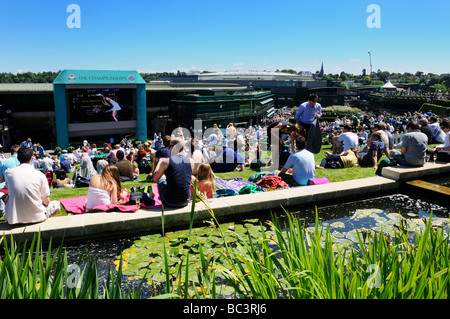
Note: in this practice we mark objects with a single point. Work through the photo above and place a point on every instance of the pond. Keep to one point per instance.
(143, 255)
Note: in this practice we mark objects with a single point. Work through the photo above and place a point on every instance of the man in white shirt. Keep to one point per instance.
(72, 158)
(29, 200)
(438, 133)
(349, 139)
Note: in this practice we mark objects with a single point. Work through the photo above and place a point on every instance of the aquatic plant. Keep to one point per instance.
(272, 260)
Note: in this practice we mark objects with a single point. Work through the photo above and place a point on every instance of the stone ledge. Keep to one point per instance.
(103, 225)
(402, 173)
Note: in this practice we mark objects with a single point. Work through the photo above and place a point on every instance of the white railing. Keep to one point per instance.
(398, 137)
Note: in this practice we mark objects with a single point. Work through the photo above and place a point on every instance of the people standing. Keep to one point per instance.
(308, 112)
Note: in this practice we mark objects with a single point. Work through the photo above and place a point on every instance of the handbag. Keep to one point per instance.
(145, 198)
(443, 157)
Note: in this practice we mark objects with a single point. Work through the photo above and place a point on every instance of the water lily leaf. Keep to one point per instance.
(159, 277)
(253, 220)
(225, 290)
(338, 225)
(337, 234)
(174, 251)
(156, 266)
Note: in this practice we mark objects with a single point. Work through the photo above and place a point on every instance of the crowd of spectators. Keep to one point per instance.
(178, 160)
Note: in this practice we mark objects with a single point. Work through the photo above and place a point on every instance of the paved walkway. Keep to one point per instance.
(144, 221)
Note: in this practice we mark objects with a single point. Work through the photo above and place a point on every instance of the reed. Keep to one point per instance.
(297, 264)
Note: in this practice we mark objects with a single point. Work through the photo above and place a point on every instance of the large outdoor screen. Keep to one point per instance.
(100, 105)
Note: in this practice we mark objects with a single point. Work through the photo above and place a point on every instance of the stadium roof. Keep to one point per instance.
(256, 75)
(26, 87)
(13, 88)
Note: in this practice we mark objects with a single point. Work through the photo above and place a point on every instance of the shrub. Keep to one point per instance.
(436, 109)
(445, 103)
(340, 110)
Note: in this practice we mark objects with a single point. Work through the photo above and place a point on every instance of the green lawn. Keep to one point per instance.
(334, 175)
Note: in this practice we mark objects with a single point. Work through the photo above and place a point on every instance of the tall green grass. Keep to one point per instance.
(27, 272)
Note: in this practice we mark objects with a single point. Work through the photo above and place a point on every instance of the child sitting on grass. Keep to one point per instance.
(205, 182)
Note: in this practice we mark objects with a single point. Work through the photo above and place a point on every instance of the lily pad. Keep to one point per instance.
(338, 225)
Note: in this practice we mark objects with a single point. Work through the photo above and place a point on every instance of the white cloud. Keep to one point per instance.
(354, 60)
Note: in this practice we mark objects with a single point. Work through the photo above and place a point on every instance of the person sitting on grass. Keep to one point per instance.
(345, 159)
(105, 188)
(125, 166)
(205, 181)
(62, 180)
(229, 160)
(376, 147)
(29, 193)
(302, 164)
(414, 146)
(101, 164)
(173, 175)
(135, 170)
(65, 165)
(346, 140)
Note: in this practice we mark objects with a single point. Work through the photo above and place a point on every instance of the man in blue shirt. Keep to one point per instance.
(229, 160)
(302, 164)
(27, 143)
(7, 163)
(376, 147)
(308, 112)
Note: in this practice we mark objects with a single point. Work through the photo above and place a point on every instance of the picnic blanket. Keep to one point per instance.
(234, 183)
(77, 205)
(272, 182)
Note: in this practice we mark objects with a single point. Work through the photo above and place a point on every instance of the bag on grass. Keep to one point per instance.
(226, 192)
(81, 181)
(145, 198)
(443, 157)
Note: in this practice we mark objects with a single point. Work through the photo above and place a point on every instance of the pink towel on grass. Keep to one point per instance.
(77, 205)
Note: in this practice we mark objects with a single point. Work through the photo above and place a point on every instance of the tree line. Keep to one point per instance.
(441, 81)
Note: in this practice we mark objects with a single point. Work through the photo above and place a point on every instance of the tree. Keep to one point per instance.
(439, 87)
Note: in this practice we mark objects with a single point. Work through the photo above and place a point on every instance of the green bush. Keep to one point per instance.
(340, 110)
(436, 109)
(445, 103)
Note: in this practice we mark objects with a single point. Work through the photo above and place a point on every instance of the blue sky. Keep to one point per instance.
(218, 35)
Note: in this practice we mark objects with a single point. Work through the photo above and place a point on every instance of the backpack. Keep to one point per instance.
(81, 181)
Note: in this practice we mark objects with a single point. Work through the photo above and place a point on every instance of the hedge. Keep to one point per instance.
(436, 109)
(445, 103)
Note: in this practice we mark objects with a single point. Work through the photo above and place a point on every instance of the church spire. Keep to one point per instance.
(321, 71)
